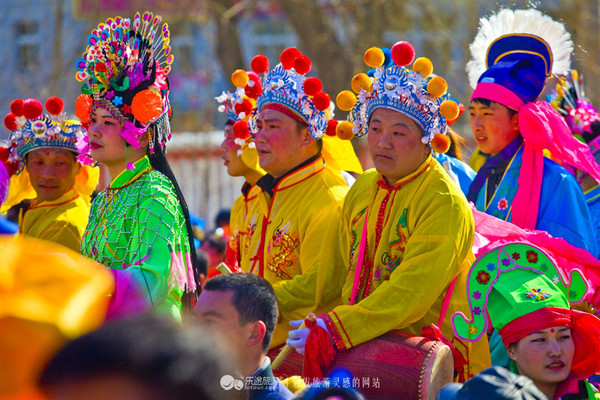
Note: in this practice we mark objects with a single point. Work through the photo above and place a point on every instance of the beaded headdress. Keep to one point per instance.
(124, 70)
(285, 88)
(569, 100)
(32, 129)
(414, 93)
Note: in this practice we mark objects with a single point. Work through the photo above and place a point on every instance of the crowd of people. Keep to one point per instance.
(317, 259)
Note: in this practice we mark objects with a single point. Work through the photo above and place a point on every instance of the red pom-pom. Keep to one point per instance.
(302, 65)
(245, 106)
(240, 130)
(312, 86)
(403, 53)
(288, 56)
(10, 121)
(331, 127)
(16, 107)
(11, 168)
(260, 64)
(321, 101)
(4, 154)
(54, 105)
(32, 109)
(253, 89)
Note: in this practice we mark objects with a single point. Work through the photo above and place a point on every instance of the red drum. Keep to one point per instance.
(394, 365)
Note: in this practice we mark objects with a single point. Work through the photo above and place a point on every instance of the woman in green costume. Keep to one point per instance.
(139, 225)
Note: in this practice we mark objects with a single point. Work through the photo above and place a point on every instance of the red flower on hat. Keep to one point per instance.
(532, 256)
(483, 277)
(515, 256)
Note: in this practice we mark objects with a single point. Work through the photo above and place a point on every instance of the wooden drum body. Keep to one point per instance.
(396, 365)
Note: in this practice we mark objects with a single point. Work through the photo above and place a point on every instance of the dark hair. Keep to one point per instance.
(253, 298)
(173, 362)
(223, 217)
(487, 103)
(215, 243)
(159, 162)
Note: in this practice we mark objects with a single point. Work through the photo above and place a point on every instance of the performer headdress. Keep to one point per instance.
(413, 92)
(513, 54)
(124, 70)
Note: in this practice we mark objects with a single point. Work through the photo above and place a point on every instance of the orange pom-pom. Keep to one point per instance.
(10, 121)
(312, 86)
(16, 107)
(241, 130)
(259, 64)
(374, 57)
(423, 66)
(344, 130)
(54, 105)
(440, 143)
(437, 86)
(403, 53)
(361, 81)
(239, 78)
(146, 106)
(302, 65)
(83, 106)
(449, 110)
(32, 109)
(322, 101)
(331, 127)
(288, 56)
(461, 109)
(345, 100)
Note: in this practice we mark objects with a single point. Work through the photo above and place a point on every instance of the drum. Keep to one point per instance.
(396, 365)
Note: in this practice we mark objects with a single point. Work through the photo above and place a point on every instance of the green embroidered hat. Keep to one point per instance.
(511, 281)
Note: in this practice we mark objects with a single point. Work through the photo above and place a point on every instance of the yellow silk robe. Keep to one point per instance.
(286, 230)
(425, 235)
(240, 222)
(61, 221)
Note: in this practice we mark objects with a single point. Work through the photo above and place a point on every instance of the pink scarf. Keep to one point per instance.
(543, 128)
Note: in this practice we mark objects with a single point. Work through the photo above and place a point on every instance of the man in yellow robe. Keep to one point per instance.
(301, 195)
(44, 154)
(400, 255)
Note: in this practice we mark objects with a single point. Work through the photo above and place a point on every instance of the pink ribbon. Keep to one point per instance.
(543, 128)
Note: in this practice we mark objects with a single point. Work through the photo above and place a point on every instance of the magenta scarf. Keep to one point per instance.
(543, 128)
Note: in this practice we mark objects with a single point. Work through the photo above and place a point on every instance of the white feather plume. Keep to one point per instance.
(529, 21)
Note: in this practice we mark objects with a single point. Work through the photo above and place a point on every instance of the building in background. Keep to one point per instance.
(41, 39)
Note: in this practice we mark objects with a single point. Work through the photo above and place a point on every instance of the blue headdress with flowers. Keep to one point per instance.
(284, 88)
(414, 93)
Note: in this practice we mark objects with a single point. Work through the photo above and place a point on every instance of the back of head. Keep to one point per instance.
(253, 298)
(495, 383)
(168, 361)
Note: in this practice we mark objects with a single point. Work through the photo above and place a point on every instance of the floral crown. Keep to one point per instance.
(31, 129)
(124, 70)
(570, 101)
(411, 92)
(285, 88)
